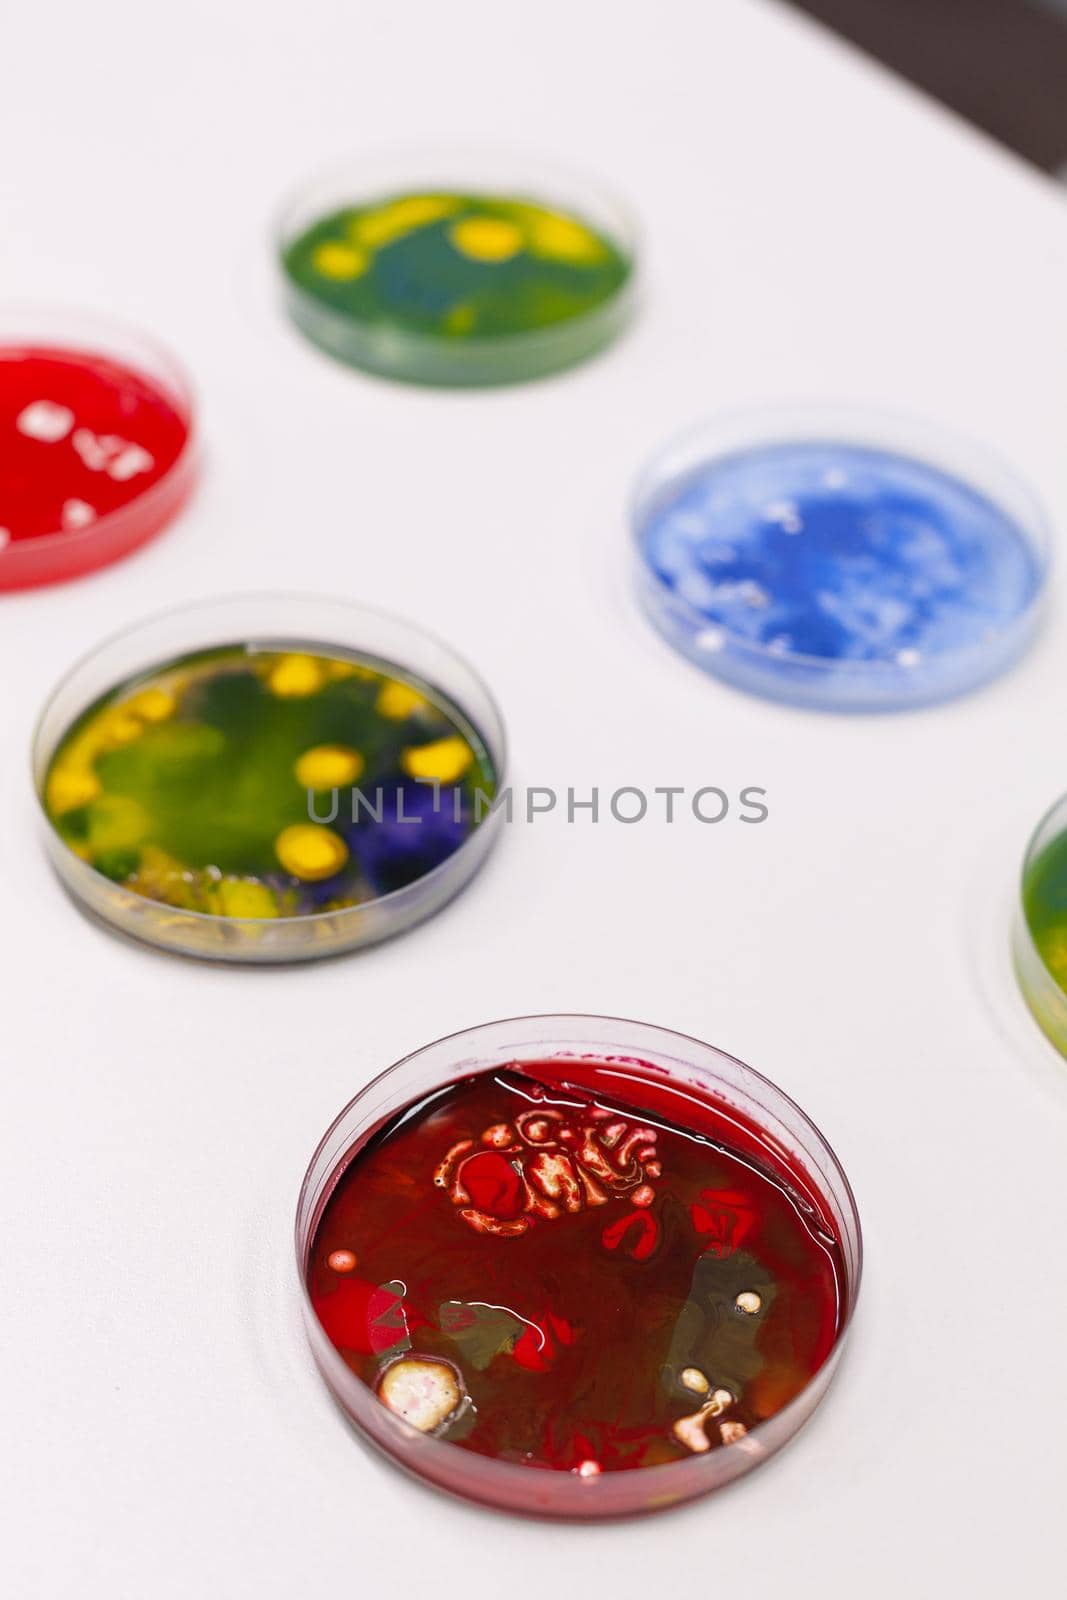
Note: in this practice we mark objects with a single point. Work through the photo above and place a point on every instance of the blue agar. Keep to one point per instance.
(839, 575)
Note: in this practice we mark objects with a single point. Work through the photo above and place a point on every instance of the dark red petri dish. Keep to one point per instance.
(577, 1281)
(95, 447)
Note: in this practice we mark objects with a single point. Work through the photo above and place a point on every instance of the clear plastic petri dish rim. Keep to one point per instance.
(72, 552)
(675, 1059)
(269, 621)
(824, 683)
(423, 358)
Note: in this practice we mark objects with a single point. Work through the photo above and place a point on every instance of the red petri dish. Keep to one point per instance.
(96, 446)
(574, 1266)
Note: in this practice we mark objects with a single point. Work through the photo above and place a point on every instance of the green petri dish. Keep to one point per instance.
(1040, 938)
(456, 273)
(268, 779)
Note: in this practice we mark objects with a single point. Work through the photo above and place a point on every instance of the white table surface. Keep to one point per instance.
(814, 229)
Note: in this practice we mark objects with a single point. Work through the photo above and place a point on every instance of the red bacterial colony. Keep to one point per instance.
(83, 440)
(577, 1266)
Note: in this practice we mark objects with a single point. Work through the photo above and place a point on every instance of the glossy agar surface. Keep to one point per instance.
(266, 784)
(537, 1268)
(82, 437)
(838, 573)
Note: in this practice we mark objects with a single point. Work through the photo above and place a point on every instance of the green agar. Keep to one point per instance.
(1041, 959)
(251, 783)
(457, 288)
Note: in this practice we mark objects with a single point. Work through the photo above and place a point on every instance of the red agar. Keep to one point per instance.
(88, 451)
(577, 1266)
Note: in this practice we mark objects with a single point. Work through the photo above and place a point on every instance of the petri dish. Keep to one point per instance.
(1040, 935)
(839, 558)
(268, 778)
(576, 1266)
(97, 450)
(456, 268)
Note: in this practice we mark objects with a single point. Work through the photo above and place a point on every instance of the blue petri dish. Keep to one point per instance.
(840, 559)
